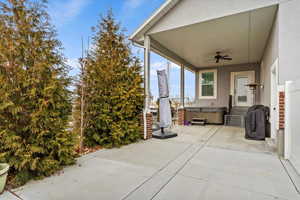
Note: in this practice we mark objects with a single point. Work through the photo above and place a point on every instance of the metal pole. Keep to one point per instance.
(197, 85)
(82, 102)
(182, 86)
(169, 77)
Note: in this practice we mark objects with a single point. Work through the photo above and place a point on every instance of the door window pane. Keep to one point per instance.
(242, 98)
(242, 88)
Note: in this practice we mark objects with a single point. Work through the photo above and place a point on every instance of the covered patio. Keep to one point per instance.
(211, 162)
(244, 37)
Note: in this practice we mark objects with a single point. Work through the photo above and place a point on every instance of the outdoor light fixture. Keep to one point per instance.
(253, 87)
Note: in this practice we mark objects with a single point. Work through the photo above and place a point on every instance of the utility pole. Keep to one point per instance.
(82, 73)
(168, 71)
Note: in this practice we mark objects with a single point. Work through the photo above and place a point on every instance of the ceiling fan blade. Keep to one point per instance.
(210, 60)
(227, 58)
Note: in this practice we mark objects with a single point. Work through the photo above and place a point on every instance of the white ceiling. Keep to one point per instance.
(198, 43)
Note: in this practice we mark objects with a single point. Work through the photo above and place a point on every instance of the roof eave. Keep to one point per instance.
(150, 22)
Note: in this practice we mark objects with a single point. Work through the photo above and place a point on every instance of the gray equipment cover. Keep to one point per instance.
(163, 84)
(165, 116)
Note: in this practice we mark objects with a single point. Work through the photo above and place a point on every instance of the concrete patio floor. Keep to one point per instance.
(207, 163)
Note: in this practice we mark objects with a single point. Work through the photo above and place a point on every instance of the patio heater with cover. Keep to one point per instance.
(165, 116)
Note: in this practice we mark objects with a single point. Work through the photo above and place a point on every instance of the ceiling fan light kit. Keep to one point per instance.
(219, 57)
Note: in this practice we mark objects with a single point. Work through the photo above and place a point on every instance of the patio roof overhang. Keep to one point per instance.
(243, 36)
(189, 33)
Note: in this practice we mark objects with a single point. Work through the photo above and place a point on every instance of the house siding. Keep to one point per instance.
(270, 56)
(223, 92)
(289, 41)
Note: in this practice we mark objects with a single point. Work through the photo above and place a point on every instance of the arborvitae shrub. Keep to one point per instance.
(35, 103)
(113, 88)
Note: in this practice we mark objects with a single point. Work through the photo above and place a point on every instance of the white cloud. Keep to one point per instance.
(137, 51)
(63, 11)
(173, 65)
(73, 62)
(75, 66)
(157, 66)
(160, 65)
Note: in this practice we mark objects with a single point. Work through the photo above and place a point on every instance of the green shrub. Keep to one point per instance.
(35, 103)
(113, 87)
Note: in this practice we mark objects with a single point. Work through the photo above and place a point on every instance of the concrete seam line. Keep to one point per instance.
(14, 194)
(159, 170)
(186, 162)
(289, 175)
(242, 151)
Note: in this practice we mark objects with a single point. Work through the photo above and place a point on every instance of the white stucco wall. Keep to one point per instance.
(188, 12)
(270, 56)
(289, 40)
(289, 70)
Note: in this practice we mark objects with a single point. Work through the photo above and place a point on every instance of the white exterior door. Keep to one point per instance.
(241, 91)
(242, 95)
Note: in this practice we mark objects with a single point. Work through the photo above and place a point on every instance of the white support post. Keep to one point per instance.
(147, 44)
(197, 85)
(287, 131)
(182, 86)
(147, 50)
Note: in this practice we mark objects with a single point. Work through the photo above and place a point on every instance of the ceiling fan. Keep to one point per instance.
(219, 57)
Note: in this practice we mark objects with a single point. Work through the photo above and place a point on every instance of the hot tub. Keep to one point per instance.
(212, 115)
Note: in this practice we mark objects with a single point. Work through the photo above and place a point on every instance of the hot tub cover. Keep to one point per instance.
(206, 109)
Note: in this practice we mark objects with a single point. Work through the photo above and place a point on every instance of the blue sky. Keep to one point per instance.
(74, 18)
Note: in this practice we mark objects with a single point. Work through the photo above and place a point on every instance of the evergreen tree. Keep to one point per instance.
(35, 103)
(113, 87)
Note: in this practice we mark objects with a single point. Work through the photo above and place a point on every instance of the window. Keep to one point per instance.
(208, 84)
